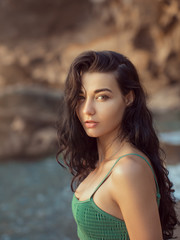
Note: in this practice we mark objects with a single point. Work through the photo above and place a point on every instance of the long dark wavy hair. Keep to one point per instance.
(79, 151)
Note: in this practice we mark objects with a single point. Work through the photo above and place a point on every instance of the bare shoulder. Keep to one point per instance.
(131, 166)
(133, 189)
(134, 174)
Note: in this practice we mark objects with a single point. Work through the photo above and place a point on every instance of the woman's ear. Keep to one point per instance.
(129, 98)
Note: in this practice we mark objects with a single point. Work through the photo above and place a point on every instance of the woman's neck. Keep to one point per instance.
(109, 149)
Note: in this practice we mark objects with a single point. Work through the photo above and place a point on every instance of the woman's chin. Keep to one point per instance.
(92, 134)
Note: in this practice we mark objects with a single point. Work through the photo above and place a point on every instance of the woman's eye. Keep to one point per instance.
(102, 97)
(81, 98)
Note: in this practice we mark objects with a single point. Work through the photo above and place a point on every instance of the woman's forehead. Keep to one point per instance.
(97, 80)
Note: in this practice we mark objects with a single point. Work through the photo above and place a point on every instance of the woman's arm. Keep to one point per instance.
(134, 190)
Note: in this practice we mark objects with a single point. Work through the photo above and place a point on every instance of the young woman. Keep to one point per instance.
(109, 144)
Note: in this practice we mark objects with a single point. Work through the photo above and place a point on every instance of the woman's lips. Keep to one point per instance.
(90, 124)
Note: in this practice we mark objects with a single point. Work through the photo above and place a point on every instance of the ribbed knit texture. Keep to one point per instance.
(95, 224)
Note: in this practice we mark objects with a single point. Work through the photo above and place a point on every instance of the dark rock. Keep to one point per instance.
(143, 39)
(32, 19)
(28, 116)
(172, 69)
(172, 153)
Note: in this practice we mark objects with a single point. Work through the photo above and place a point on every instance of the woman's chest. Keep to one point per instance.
(87, 186)
(96, 180)
(97, 189)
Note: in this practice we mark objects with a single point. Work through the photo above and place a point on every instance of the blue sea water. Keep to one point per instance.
(174, 176)
(173, 138)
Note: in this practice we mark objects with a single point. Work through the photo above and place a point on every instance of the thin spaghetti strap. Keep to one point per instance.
(158, 193)
(110, 172)
(105, 177)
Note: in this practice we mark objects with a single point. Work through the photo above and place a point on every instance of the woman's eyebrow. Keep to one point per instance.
(102, 90)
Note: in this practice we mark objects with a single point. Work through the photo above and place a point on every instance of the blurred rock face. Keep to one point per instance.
(27, 117)
(39, 39)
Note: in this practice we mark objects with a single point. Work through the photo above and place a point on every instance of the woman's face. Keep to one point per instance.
(101, 105)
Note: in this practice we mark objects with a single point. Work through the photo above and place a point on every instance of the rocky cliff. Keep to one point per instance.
(39, 39)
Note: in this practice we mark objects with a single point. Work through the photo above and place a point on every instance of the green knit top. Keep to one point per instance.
(95, 224)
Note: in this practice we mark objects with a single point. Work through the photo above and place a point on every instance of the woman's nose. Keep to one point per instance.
(89, 107)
